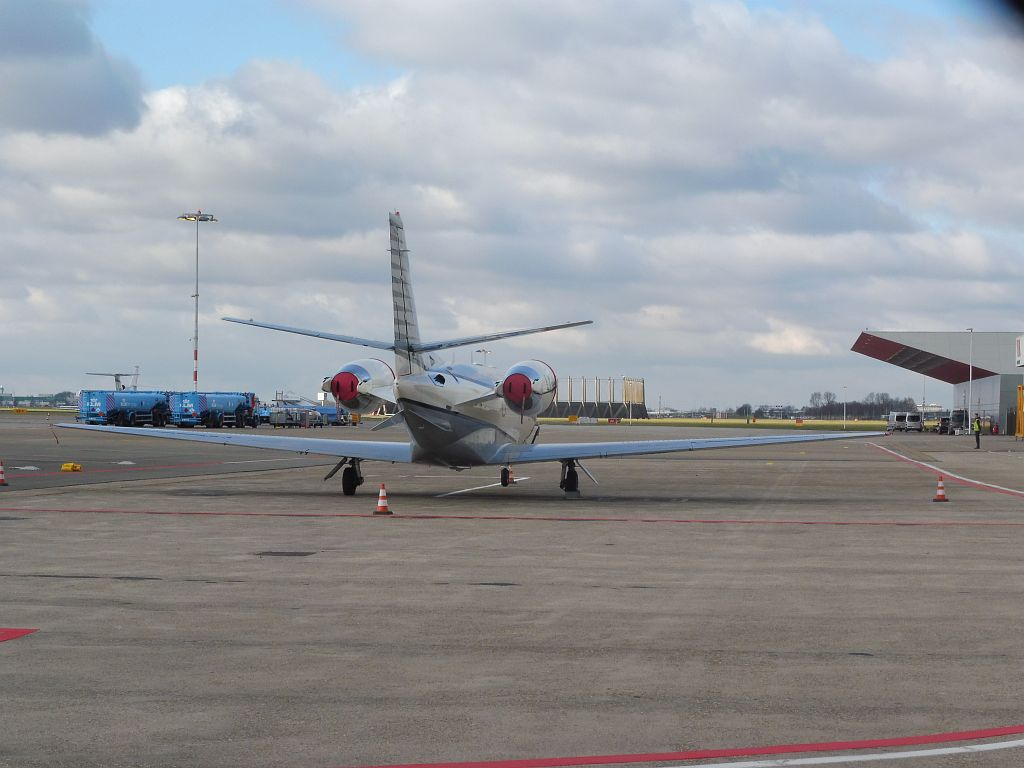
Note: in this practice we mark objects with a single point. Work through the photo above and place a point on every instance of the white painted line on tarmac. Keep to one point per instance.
(947, 473)
(125, 463)
(478, 488)
(837, 760)
(27, 469)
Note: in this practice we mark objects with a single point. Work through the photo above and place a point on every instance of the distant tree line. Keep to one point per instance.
(876, 405)
(825, 405)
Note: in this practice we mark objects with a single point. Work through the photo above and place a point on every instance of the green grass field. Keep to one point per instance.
(807, 425)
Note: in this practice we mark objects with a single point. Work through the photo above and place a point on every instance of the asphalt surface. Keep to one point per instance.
(194, 611)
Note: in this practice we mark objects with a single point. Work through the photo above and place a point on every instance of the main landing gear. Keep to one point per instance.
(351, 477)
(570, 482)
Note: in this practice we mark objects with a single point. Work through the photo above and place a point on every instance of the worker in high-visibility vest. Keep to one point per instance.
(976, 429)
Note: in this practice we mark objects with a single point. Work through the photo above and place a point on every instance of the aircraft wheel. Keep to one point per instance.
(349, 481)
(572, 481)
(505, 477)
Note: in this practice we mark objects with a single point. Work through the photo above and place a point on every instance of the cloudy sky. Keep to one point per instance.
(731, 190)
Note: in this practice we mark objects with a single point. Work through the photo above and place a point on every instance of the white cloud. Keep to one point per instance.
(788, 339)
(57, 77)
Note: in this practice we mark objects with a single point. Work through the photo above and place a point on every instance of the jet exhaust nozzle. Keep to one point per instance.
(362, 385)
(529, 387)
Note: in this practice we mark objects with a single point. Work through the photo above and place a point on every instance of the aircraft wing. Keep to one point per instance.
(523, 454)
(352, 449)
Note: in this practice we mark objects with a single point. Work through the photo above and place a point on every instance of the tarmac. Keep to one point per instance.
(210, 606)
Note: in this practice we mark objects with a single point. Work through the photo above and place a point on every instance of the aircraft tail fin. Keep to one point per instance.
(407, 330)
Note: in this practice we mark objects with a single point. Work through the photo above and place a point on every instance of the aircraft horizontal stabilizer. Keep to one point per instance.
(431, 346)
(387, 345)
(417, 347)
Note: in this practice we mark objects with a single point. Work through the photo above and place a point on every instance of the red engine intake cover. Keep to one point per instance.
(517, 388)
(345, 386)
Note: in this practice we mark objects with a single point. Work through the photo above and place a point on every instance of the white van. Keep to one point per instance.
(897, 421)
(914, 423)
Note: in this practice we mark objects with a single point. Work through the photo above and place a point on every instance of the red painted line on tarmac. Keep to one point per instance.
(946, 474)
(703, 754)
(12, 633)
(533, 518)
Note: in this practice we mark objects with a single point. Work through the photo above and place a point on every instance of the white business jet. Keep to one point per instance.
(457, 416)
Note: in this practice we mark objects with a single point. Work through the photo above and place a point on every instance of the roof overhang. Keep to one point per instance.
(915, 359)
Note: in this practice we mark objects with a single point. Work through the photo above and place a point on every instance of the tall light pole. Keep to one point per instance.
(844, 406)
(197, 217)
(970, 380)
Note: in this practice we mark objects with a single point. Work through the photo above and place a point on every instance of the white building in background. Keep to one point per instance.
(982, 366)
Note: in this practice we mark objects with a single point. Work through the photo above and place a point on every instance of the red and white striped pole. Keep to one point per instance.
(197, 217)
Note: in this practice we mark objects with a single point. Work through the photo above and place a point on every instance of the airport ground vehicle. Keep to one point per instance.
(332, 415)
(213, 409)
(296, 417)
(943, 427)
(123, 408)
(897, 421)
(904, 421)
(958, 421)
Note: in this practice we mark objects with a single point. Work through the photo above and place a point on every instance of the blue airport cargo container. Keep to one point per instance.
(213, 409)
(123, 408)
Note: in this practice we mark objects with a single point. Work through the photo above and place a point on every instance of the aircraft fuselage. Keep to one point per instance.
(452, 435)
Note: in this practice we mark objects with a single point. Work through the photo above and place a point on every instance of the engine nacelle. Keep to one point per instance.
(362, 386)
(528, 388)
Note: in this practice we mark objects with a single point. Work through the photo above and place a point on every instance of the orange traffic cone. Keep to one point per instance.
(940, 491)
(3, 480)
(382, 502)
